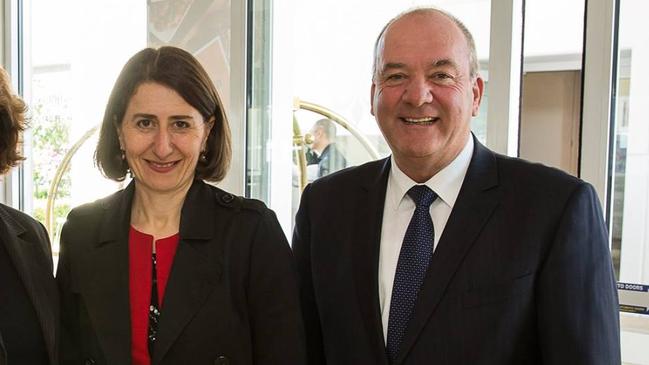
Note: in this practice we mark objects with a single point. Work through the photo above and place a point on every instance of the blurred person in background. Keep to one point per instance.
(324, 152)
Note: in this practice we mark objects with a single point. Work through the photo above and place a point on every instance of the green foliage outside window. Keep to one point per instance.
(50, 128)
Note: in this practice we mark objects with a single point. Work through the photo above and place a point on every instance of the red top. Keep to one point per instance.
(140, 249)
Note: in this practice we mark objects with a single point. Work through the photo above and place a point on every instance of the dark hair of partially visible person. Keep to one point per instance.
(179, 70)
(12, 123)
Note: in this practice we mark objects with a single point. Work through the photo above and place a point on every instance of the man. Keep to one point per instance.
(520, 272)
(324, 151)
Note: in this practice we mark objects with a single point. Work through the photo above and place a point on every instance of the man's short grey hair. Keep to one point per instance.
(328, 127)
(474, 66)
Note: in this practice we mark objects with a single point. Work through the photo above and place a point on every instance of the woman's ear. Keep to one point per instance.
(120, 138)
(118, 130)
(209, 124)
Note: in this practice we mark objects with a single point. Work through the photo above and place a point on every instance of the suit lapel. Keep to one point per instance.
(37, 276)
(476, 201)
(193, 275)
(107, 279)
(365, 252)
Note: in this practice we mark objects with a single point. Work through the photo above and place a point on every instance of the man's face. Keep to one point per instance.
(319, 138)
(423, 96)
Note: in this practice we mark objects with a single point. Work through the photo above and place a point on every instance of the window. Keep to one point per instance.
(318, 55)
(70, 67)
(630, 158)
(551, 83)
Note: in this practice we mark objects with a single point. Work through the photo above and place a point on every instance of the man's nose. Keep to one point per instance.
(162, 145)
(418, 92)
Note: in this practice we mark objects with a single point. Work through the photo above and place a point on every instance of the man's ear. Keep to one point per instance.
(372, 91)
(478, 92)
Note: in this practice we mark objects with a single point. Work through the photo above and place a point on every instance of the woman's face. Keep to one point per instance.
(162, 137)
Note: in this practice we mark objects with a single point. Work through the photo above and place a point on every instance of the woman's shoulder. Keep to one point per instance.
(30, 230)
(18, 219)
(235, 202)
(96, 207)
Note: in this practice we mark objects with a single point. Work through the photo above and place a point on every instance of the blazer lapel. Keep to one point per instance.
(365, 252)
(107, 279)
(193, 275)
(474, 206)
(37, 276)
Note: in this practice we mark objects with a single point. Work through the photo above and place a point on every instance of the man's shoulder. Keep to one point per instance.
(518, 178)
(536, 182)
(523, 171)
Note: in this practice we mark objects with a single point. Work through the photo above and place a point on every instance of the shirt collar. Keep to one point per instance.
(446, 183)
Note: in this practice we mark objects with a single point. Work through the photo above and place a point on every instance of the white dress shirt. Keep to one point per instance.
(398, 211)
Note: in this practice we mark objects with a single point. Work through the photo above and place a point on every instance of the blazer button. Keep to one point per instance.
(227, 198)
(221, 360)
(90, 361)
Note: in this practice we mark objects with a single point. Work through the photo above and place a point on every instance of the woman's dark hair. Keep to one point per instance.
(179, 70)
(12, 122)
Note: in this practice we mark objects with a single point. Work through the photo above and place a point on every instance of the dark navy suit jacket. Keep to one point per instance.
(522, 273)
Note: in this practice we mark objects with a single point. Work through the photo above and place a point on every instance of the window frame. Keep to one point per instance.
(13, 190)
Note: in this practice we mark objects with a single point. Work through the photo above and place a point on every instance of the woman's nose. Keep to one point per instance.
(162, 146)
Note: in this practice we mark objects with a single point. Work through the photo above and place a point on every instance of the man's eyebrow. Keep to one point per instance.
(438, 63)
(444, 62)
(392, 65)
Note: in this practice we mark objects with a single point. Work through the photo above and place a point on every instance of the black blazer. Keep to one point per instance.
(29, 248)
(331, 160)
(231, 297)
(522, 273)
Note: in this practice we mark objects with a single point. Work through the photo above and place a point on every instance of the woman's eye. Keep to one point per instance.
(144, 123)
(181, 124)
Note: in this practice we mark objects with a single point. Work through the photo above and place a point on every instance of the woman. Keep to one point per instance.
(172, 270)
(28, 296)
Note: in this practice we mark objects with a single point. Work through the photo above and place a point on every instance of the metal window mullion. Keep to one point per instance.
(235, 179)
(598, 84)
(505, 67)
(12, 192)
(282, 103)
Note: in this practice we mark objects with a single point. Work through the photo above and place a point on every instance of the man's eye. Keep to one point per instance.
(442, 76)
(395, 77)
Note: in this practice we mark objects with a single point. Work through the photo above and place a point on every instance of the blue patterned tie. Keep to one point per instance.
(415, 255)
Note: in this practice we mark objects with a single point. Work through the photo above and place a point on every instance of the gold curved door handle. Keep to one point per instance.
(301, 141)
(56, 181)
